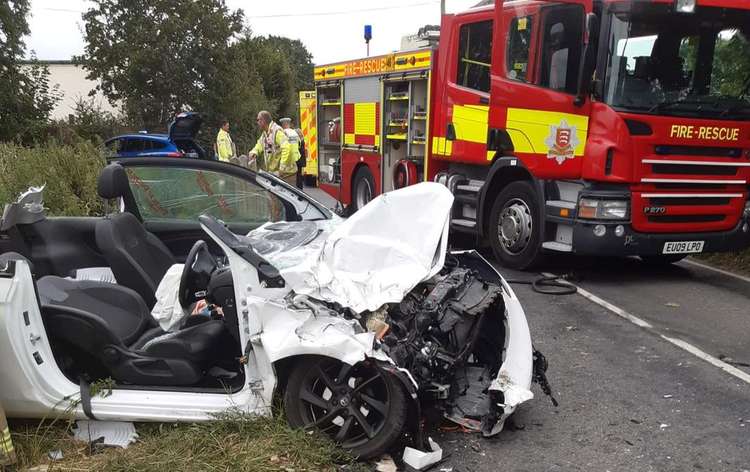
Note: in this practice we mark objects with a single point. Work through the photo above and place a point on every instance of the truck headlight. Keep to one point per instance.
(595, 209)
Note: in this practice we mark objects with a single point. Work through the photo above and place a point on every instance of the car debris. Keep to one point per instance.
(108, 433)
(420, 460)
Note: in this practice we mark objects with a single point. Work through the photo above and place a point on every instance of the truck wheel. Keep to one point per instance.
(515, 228)
(662, 260)
(363, 188)
(361, 407)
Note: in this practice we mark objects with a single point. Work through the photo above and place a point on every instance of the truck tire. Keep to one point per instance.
(363, 189)
(662, 260)
(326, 395)
(515, 229)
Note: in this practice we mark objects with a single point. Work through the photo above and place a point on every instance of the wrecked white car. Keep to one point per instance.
(369, 329)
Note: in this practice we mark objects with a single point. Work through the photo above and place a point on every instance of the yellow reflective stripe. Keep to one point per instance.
(536, 127)
(490, 155)
(441, 146)
(377, 140)
(349, 138)
(471, 122)
(364, 118)
(422, 60)
(5, 442)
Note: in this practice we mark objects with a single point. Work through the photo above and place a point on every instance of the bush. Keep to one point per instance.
(69, 173)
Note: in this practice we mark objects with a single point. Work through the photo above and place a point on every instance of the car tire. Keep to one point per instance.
(318, 392)
(515, 229)
(363, 189)
(662, 260)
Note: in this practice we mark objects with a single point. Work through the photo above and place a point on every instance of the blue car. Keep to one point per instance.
(180, 142)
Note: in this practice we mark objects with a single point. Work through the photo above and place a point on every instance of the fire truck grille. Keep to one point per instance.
(689, 201)
(686, 218)
(680, 169)
(672, 150)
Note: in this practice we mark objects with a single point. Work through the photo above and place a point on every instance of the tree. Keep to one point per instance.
(26, 97)
(159, 57)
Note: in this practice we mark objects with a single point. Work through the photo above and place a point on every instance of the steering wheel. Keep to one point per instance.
(196, 274)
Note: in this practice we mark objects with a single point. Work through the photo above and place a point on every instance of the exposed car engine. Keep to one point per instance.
(448, 334)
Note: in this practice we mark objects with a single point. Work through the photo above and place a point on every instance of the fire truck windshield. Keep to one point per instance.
(664, 63)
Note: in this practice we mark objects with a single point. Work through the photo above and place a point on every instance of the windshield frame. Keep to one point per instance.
(712, 107)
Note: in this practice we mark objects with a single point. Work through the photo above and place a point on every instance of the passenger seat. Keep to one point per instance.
(138, 259)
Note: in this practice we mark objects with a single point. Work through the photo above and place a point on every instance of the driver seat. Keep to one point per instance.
(110, 326)
(138, 259)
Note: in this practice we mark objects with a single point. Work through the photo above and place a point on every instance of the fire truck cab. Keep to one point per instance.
(605, 127)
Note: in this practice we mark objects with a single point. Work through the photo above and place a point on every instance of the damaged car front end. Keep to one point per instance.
(379, 331)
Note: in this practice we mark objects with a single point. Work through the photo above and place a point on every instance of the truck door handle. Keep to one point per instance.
(484, 101)
(450, 133)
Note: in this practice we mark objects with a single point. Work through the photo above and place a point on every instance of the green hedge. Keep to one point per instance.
(69, 173)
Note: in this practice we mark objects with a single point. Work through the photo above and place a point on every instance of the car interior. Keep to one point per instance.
(100, 329)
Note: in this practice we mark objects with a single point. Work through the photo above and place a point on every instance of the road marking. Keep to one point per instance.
(685, 346)
(716, 269)
(729, 369)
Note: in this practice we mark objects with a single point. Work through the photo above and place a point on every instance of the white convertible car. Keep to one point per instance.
(369, 329)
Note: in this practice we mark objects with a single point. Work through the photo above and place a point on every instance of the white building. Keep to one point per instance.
(73, 86)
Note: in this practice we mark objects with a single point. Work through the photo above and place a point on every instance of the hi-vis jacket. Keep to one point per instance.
(224, 145)
(273, 146)
(293, 138)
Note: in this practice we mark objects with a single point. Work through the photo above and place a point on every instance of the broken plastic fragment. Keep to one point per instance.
(113, 433)
(421, 459)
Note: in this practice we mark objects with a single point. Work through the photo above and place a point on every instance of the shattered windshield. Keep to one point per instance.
(685, 65)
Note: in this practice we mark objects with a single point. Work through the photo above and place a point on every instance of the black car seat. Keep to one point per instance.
(111, 324)
(138, 259)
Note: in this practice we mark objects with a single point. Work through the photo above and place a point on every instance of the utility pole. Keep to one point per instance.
(442, 8)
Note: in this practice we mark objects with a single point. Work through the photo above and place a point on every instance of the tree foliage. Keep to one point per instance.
(159, 57)
(26, 97)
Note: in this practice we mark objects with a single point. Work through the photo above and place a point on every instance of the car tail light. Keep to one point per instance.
(174, 154)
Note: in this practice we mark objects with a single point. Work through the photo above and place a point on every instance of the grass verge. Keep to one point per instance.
(235, 442)
(738, 262)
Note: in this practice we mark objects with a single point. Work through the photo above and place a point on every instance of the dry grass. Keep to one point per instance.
(233, 443)
(738, 262)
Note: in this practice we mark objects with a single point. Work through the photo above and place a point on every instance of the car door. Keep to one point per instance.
(168, 195)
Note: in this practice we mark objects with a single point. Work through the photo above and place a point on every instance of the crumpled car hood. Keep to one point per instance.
(375, 257)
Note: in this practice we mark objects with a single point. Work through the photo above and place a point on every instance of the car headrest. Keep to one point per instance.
(113, 182)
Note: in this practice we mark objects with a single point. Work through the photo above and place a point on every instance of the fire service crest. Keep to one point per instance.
(562, 142)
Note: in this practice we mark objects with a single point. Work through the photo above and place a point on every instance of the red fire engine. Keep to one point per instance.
(609, 127)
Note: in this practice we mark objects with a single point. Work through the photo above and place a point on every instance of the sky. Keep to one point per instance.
(332, 30)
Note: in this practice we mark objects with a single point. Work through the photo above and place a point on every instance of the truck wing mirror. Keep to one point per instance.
(588, 59)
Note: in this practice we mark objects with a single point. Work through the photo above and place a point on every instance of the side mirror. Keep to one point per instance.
(588, 59)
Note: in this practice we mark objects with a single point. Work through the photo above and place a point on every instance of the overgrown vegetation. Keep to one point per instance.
(233, 442)
(68, 171)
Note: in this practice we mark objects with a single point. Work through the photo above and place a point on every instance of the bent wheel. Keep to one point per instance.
(361, 407)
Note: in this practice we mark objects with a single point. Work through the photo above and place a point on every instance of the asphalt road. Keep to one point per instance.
(630, 400)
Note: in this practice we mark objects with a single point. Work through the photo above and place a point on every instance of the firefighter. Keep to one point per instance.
(302, 162)
(225, 148)
(295, 143)
(272, 152)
